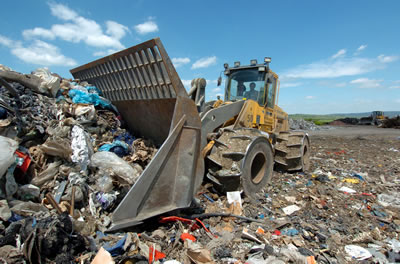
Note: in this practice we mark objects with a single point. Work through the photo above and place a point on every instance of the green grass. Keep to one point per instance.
(319, 120)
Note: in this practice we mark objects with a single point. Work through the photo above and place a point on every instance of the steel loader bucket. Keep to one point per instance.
(143, 84)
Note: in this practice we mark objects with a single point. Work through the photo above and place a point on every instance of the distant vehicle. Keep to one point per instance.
(376, 118)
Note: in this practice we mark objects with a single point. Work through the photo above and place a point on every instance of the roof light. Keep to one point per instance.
(237, 63)
(253, 62)
(226, 65)
(267, 60)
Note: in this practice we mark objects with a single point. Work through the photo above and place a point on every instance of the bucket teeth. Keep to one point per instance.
(214, 161)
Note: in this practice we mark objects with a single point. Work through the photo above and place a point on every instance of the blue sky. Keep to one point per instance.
(331, 56)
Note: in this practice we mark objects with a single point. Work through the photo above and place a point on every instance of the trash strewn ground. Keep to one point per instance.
(301, 124)
(393, 122)
(66, 162)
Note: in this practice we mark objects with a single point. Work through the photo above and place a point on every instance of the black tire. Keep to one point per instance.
(292, 151)
(241, 159)
(257, 166)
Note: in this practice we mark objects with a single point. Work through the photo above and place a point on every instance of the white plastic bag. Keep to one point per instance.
(288, 210)
(357, 252)
(110, 161)
(49, 84)
(389, 199)
(7, 149)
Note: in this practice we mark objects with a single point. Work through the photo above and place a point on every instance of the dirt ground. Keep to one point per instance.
(355, 131)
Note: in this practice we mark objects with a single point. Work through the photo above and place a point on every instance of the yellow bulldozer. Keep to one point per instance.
(235, 143)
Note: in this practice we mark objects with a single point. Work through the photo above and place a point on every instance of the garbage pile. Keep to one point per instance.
(393, 122)
(67, 162)
(301, 124)
(347, 121)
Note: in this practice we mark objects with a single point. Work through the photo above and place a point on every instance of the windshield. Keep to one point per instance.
(247, 84)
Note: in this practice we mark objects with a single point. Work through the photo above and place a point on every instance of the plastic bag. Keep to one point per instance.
(4, 68)
(5, 212)
(104, 183)
(46, 175)
(28, 208)
(7, 149)
(390, 199)
(106, 199)
(59, 147)
(50, 84)
(121, 169)
(81, 97)
(118, 147)
(85, 112)
(28, 192)
(357, 252)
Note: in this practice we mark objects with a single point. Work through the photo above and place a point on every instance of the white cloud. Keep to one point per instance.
(103, 53)
(5, 41)
(212, 81)
(386, 59)
(362, 47)
(309, 97)
(216, 90)
(340, 53)
(178, 62)
(339, 67)
(146, 27)
(330, 83)
(80, 29)
(394, 87)
(204, 62)
(187, 83)
(39, 53)
(116, 30)
(62, 12)
(38, 32)
(397, 101)
(42, 53)
(287, 84)
(367, 83)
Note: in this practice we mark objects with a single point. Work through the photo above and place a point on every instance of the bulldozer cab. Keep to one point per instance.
(255, 82)
(378, 114)
(259, 87)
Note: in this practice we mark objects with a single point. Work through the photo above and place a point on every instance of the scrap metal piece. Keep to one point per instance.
(53, 203)
(71, 212)
(60, 191)
(9, 88)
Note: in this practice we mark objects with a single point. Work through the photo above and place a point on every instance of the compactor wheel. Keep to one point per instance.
(292, 151)
(241, 160)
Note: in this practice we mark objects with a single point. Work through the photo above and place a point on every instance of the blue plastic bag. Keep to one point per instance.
(81, 97)
(118, 147)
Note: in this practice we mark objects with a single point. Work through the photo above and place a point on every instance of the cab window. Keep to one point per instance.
(247, 84)
(271, 92)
